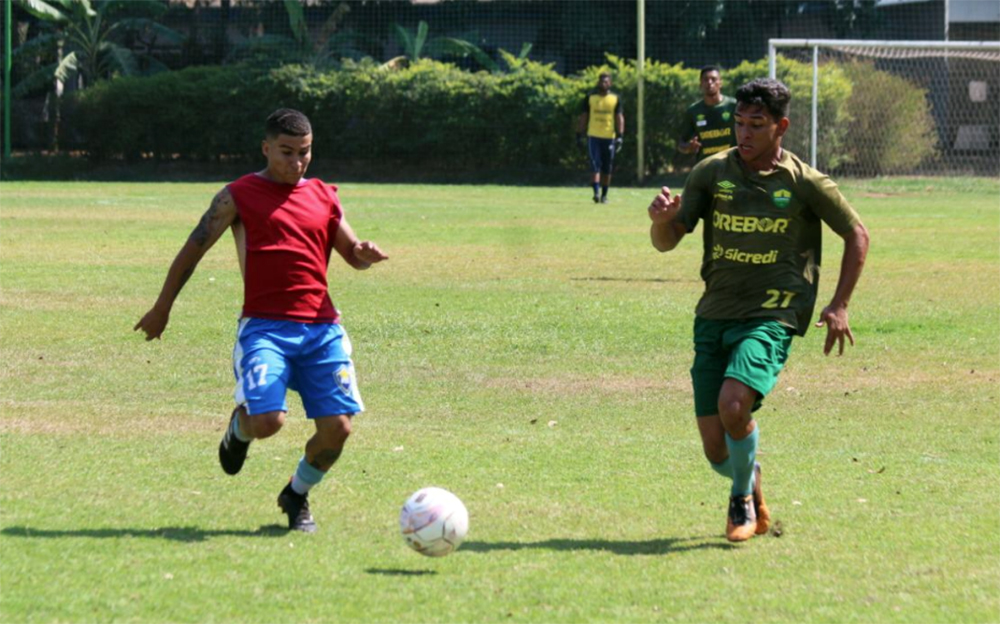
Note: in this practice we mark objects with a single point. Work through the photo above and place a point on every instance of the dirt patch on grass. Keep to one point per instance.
(60, 418)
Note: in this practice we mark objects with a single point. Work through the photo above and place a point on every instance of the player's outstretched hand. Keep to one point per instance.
(837, 328)
(153, 323)
(369, 253)
(691, 147)
(664, 207)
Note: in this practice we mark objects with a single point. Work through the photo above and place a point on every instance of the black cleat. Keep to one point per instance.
(296, 507)
(232, 451)
(741, 521)
(596, 199)
(604, 199)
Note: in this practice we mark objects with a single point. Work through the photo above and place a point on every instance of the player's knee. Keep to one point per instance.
(267, 424)
(341, 427)
(734, 414)
(335, 430)
(729, 409)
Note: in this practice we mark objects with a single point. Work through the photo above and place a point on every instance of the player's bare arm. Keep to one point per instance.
(359, 254)
(834, 316)
(690, 146)
(665, 233)
(217, 219)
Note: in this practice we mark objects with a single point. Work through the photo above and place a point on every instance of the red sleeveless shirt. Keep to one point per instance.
(289, 237)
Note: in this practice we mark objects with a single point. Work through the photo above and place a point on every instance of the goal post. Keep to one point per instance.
(915, 107)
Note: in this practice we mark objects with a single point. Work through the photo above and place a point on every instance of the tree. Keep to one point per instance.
(84, 40)
(323, 50)
(415, 45)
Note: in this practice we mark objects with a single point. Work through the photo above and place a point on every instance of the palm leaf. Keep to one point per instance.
(65, 68)
(149, 8)
(43, 11)
(38, 45)
(405, 40)
(297, 21)
(461, 47)
(120, 58)
(142, 23)
(418, 43)
(37, 80)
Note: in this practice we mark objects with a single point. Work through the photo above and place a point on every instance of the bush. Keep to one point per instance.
(832, 112)
(891, 128)
(429, 116)
(200, 113)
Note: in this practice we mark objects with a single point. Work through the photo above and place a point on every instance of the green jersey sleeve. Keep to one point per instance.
(826, 202)
(688, 129)
(696, 200)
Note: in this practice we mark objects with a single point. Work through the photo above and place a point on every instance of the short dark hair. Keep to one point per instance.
(767, 92)
(287, 121)
(603, 74)
(709, 68)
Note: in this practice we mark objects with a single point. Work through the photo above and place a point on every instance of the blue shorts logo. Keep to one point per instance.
(345, 380)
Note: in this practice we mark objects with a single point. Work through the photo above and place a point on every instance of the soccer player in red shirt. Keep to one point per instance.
(290, 335)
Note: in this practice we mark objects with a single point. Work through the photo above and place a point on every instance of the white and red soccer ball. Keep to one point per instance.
(433, 522)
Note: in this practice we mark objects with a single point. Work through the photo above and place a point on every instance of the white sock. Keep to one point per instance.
(239, 432)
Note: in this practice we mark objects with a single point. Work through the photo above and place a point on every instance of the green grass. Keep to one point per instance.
(500, 310)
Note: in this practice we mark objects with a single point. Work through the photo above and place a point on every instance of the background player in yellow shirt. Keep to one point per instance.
(604, 122)
(763, 210)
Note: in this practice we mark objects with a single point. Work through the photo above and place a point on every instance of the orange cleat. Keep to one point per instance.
(741, 522)
(759, 506)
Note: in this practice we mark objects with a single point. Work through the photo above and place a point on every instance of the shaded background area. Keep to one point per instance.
(56, 60)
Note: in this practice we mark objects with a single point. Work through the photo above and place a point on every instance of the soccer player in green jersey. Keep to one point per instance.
(763, 211)
(708, 124)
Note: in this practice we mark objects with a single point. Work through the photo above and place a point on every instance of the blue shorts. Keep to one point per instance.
(602, 155)
(314, 359)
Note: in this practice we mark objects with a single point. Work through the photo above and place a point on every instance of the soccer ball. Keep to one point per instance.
(433, 522)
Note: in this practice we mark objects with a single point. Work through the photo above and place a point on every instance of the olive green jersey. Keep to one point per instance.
(713, 126)
(762, 236)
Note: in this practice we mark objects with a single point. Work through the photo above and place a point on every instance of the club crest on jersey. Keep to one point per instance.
(345, 379)
(725, 115)
(782, 198)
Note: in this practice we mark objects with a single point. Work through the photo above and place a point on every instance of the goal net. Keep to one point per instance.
(896, 107)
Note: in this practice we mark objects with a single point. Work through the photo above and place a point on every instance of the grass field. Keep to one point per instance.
(529, 351)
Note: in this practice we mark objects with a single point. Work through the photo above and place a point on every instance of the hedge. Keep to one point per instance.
(435, 115)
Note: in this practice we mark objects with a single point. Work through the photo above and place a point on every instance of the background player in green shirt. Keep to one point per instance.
(763, 210)
(708, 125)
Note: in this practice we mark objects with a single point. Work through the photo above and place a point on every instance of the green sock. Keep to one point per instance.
(742, 454)
(725, 468)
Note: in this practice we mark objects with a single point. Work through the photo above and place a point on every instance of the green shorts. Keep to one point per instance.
(751, 351)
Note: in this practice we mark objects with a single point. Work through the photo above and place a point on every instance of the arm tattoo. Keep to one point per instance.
(203, 231)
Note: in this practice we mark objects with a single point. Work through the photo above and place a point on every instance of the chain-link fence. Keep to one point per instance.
(914, 107)
(79, 45)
